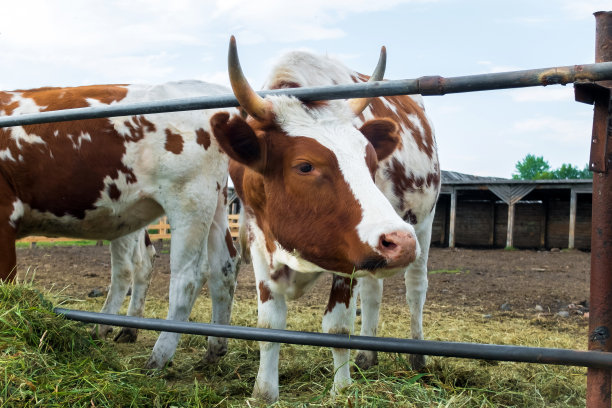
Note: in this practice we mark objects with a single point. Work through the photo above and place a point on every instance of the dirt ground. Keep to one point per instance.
(482, 280)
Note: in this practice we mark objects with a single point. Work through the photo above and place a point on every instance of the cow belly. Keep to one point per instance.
(100, 223)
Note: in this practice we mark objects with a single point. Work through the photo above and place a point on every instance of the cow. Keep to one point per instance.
(330, 186)
(109, 178)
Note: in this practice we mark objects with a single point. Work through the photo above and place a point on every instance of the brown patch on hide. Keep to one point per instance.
(410, 217)
(229, 242)
(203, 138)
(264, 292)
(113, 192)
(281, 274)
(341, 292)
(174, 142)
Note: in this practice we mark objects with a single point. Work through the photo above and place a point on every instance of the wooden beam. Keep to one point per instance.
(492, 229)
(543, 223)
(444, 217)
(453, 213)
(509, 242)
(572, 220)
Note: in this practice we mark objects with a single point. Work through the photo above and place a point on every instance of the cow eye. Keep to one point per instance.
(304, 168)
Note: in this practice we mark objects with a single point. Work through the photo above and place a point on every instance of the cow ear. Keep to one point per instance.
(238, 140)
(383, 134)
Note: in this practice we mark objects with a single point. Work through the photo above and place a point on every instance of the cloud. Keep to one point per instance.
(218, 77)
(531, 20)
(556, 129)
(277, 20)
(584, 9)
(110, 28)
(542, 94)
(150, 38)
(490, 67)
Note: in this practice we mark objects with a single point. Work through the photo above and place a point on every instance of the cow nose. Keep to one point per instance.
(398, 247)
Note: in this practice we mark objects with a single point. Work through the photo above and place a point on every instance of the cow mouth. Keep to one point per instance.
(372, 263)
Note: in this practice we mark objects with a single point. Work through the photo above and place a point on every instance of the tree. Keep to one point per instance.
(532, 168)
(536, 168)
(567, 171)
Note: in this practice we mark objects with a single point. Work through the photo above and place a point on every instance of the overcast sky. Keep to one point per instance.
(71, 43)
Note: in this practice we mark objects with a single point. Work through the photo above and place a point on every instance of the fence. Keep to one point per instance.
(600, 320)
(162, 228)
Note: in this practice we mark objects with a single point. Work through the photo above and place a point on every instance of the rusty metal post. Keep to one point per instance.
(600, 317)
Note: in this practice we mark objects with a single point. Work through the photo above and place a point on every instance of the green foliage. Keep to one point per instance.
(532, 168)
(536, 168)
(569, 172)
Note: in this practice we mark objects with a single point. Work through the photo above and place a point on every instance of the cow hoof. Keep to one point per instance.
(417, 362)
(337, 389)
(366, 359)
(265, 394)
(153, 364)
(100, 332)
(126, 335)
(214, 354)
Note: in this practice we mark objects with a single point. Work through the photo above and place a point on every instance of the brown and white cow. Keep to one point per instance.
(305, 173)
(108, 178)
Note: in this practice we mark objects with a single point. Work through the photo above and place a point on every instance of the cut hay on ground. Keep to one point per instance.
(48, 361)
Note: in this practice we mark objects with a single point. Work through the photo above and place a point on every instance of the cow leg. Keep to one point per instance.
(224, 266)
(8, 256)
(143, 258)
(370, 291)
(416, 291)
(339, 318)
(272, 314)
(190, 220)
(122, 269)
(11, 210)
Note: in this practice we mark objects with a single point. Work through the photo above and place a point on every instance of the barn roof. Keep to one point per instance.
(457, 179)
(449, 176)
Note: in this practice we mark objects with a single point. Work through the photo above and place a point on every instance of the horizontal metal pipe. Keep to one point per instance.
(429, 85)
(386, 344)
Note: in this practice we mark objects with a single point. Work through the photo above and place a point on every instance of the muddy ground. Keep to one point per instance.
(482, 280)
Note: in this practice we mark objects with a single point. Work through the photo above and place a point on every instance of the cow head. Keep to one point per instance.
(307, 174)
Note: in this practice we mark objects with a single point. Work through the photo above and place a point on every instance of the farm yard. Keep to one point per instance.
(535, 298)
(481, 280)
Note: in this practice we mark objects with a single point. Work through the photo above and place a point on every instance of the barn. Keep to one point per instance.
(492, 212)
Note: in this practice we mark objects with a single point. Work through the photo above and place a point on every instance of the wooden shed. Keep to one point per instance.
(494, 212)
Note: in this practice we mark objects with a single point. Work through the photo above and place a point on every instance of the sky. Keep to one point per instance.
(72, 43)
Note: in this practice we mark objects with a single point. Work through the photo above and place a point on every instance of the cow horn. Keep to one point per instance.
(255, 105)
(358, 105)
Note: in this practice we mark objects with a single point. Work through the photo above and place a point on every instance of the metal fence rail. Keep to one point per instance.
(539, 355)
(427, 85)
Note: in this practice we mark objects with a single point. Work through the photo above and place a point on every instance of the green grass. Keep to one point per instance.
(48, 361)
(447, 271)
(81, 242)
